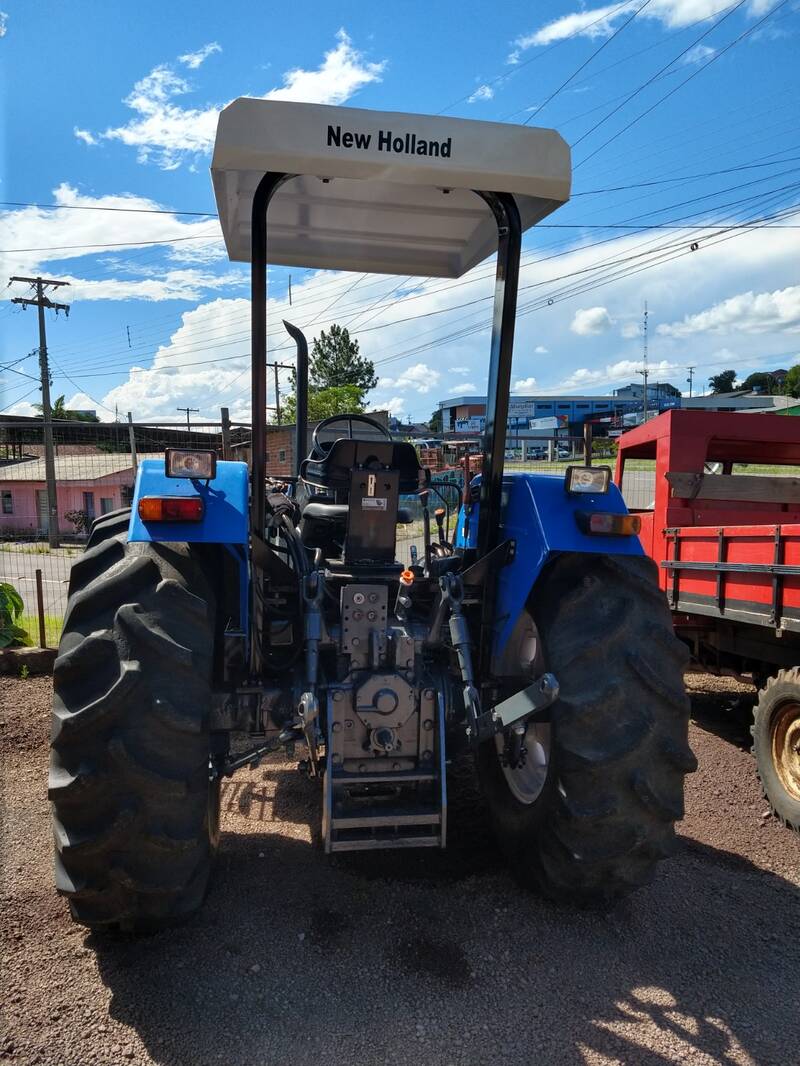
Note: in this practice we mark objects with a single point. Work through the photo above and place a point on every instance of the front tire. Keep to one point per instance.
(135, 817)
(617, 743)
(776, 745)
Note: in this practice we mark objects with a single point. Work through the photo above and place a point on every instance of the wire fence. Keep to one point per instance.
(94, 468)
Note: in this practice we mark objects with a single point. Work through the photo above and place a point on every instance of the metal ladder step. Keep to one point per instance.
(389, 819)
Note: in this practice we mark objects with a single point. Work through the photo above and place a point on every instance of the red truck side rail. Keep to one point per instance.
(727, 544)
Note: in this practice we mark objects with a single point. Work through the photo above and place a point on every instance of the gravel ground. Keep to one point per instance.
(411, 958)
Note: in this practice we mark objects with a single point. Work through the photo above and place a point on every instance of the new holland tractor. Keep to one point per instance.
(229, 604)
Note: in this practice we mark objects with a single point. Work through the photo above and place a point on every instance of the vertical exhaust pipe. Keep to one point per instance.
(301, 427)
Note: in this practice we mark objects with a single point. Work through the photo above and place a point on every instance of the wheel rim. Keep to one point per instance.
(527, 781)
(785, 737)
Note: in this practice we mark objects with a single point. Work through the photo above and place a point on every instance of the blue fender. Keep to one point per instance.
(540, 517)
(225, 520)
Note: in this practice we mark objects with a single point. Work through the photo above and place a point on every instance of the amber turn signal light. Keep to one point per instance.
(171, 509)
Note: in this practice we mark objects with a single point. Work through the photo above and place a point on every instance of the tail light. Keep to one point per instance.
(171, 509)
(609, 525)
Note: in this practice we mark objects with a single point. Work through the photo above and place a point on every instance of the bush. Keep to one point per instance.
(79, 519)
(11, 607)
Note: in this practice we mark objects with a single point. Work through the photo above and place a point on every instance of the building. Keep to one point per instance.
(749, 402)
(91, 484)
(543, 416)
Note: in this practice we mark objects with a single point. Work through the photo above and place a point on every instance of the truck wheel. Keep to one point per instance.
(593, 806)
(776, 744)
(135, 818)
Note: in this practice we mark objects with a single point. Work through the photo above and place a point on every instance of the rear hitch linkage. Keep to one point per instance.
(510, 714)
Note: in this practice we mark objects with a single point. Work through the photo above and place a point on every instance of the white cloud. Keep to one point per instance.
(590, 321)
(463, 389)
(540, 350)
(483, 92)
(631, 330)
(72, 233)
(749, 312)
(524, 385)
(601, 21)
(698, 54)
(395, 406)
(458, 369)
(419, 377)
(623, 371)
(166, 133)
(192, 60)
(84, 135)
(3, 23)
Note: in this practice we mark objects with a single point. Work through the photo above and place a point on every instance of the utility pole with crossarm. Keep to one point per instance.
(41, 301)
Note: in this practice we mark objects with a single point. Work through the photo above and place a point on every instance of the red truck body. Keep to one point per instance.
(726, 539)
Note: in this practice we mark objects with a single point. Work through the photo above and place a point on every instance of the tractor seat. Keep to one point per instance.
(333, 470)
(324, 511)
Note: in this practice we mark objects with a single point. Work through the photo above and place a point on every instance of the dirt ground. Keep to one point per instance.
(411, 958)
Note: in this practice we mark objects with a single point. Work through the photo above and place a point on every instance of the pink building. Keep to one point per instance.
(95, 484)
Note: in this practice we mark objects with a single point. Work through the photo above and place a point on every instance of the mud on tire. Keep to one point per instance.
(618, 749)
(135, 819)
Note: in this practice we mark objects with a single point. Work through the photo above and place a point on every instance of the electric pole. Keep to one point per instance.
(42, 301)
(644, 371)
(276, 367)
(189, 410)
(691, 370)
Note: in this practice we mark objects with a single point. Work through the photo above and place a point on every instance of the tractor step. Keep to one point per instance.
(407, 809)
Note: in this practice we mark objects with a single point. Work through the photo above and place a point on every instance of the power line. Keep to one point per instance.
(586, 63)
(717, 55)
(662, 70)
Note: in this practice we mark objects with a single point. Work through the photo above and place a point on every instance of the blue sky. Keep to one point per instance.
(682, 124)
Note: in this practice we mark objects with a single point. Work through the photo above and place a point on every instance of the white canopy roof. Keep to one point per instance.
(379, 191)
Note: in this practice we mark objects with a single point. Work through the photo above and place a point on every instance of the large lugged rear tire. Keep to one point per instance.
(618, 748)
(135, 819)
(776, 745)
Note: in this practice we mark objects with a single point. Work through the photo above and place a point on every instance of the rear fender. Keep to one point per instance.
(540, 518)
(225, 518)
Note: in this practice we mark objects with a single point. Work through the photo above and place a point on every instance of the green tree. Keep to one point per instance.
(435, 421)
(722, 382)
(791, 385)
(59, 412)
(335, 361)
(322, 403)
(760, 380)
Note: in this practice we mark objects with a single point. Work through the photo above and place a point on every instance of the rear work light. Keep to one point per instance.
(609, 525)
(587, 479)
(171, 509)
(181, 462)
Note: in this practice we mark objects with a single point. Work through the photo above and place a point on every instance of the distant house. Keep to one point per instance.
(95, 484)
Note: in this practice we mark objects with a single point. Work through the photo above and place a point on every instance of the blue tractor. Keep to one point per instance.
(231, 605)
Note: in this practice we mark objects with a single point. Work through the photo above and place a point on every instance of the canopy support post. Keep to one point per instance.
(509, 244)
(266, 189)
(509, 231)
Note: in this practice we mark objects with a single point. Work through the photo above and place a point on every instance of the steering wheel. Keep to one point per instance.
(320, 448)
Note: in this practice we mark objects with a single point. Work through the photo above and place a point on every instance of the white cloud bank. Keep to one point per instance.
(748, 312)
(166, 133)
(122, 220)
(602, 21)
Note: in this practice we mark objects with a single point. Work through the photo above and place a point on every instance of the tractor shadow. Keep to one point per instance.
(442, 957)
(727, 715)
